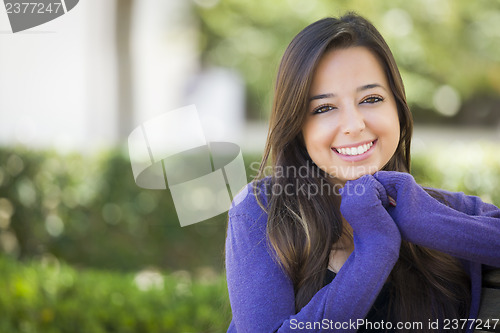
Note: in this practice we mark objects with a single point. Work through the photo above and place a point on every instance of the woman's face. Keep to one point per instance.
(352, 127)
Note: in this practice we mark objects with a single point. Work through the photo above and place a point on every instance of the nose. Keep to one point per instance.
(352, 121)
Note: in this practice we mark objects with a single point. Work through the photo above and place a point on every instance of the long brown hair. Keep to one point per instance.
(426, 284)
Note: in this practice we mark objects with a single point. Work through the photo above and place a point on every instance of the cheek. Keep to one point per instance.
(317, 140)
(384, 123)
(388, 129)
(393, 128)
(318, 133)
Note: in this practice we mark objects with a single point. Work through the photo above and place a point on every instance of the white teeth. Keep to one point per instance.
(355, 150)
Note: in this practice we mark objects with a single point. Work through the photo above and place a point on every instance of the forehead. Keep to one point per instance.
(348, 68)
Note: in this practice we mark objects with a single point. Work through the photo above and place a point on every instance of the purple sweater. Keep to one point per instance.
(262, 295)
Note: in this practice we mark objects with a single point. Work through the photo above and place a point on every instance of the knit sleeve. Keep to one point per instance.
(262, 296)
(474, 226)
(470, 205)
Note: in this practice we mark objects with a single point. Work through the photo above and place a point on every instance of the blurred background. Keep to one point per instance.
(83, 249)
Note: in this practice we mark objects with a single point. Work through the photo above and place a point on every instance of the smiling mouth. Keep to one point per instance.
(354, 151)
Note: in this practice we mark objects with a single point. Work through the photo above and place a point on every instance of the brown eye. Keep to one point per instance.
(372, 100)
(323, 109)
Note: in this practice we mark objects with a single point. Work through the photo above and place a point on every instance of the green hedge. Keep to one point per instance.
(51, 297)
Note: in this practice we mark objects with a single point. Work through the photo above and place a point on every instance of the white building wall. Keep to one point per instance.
(58, 81)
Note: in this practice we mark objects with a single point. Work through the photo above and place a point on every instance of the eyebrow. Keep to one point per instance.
(369, 86)
(322, 96)
(362, 88)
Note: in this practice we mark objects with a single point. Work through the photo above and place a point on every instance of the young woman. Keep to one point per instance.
(340, 237)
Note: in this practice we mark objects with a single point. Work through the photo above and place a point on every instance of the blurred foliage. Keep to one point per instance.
(48, 296)
(87, 210)
(472, 168)
(450, 44)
